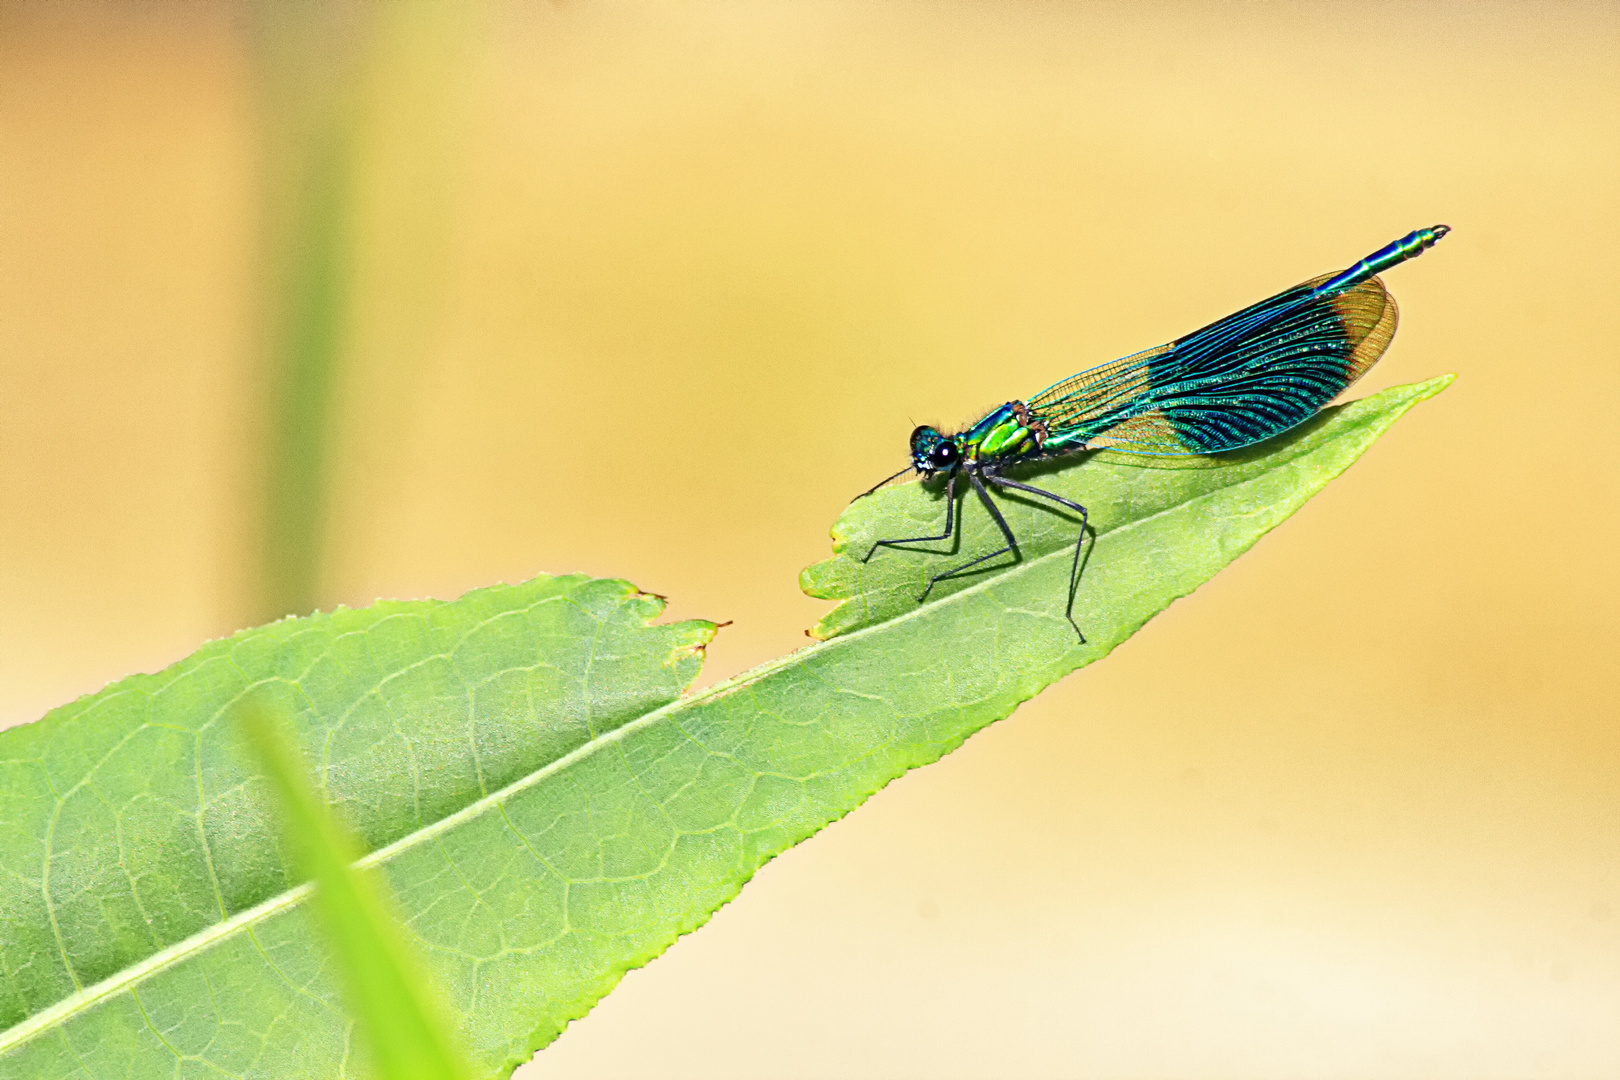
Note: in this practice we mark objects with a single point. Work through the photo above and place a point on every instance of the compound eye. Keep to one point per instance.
(943, 455)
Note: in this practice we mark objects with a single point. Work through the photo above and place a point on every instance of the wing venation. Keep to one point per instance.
(1245, 378)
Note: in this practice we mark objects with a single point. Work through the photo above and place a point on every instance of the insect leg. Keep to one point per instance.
(950, 522)
(1006, 530)
(885, 480)
(1074, 571)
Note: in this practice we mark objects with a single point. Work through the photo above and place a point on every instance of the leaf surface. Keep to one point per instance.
(547, 808)
(397, 1020)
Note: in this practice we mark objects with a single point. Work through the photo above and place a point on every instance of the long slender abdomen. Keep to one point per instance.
(1409, 246)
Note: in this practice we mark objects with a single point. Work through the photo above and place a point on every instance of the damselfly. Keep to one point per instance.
(1239, 381)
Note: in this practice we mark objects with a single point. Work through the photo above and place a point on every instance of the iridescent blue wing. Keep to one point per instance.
(1238, 381)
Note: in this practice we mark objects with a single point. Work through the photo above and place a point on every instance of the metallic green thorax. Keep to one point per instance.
(1006, 433)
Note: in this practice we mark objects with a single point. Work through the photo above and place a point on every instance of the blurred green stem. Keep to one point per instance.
(307, 352)
(362, 106)
(306, 59)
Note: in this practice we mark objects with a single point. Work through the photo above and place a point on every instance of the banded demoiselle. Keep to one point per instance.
(1246, 378)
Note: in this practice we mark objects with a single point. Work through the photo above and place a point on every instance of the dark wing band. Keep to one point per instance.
(1243, 379)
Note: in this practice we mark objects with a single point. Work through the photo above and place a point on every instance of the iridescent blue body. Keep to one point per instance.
(1246, 378)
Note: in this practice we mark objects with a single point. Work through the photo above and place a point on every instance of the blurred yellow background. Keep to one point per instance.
(651, 290)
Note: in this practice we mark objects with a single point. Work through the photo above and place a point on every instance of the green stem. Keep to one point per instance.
(307, 58)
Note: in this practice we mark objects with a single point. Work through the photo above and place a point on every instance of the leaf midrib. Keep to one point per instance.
(89, 996)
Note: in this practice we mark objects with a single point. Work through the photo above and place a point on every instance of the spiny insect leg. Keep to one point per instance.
(950, 523)
(1074, 571)
(1006, 530)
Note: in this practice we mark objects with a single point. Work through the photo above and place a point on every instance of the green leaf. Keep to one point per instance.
(395, 1012)
(547, 808)
(149, 916)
